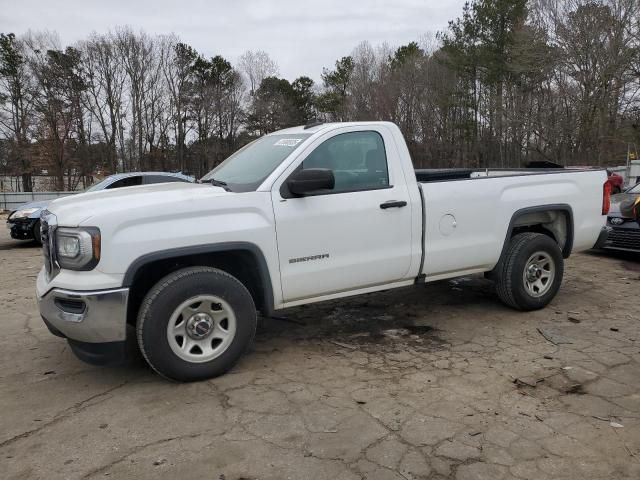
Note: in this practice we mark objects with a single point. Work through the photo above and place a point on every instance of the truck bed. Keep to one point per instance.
(467, 220)
(428, 175)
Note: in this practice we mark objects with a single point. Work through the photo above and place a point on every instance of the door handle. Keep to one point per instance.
(393, 204)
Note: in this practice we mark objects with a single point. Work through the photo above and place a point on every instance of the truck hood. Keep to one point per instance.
(622, 204)
(146, 200)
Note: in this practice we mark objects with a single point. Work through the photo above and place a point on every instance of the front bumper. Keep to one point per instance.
(22, 229)
(98, 316)
(625, 237)
(602, 238)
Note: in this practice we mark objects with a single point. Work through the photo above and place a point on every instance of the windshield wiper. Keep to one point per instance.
(219, 183)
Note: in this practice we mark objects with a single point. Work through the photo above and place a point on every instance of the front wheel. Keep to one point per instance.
(530, 274)
(195, 324)
(37, 235)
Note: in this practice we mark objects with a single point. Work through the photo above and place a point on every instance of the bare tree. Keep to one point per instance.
(595, 48)
(257, 65)
(504, 84)
(137, 54)
(105, 80)
(60, 83)
(177, 65)
(16, 104)
(156, 107)
(363, 82)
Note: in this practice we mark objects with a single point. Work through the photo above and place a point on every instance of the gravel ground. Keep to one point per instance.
(437, 381)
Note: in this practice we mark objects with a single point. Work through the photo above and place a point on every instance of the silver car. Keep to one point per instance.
(24, 222)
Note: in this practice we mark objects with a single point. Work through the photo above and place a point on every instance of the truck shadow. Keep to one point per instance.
(390, 321)
(378, 323)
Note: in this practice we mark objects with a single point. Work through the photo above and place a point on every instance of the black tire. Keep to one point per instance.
(36, 233)
(509, 272)
(165, 297)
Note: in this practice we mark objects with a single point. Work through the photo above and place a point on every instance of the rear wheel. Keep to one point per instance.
(195, 324)
(530, 274)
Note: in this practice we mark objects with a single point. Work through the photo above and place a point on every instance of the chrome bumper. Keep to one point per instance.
(94, 317)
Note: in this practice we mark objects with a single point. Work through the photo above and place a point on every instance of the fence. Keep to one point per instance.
(11, 200)
(41, 183)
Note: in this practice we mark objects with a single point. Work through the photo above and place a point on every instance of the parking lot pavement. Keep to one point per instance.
(436, 381)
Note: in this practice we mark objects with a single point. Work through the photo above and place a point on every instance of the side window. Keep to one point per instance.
(127, 182)
(149, 179)
(358, 161)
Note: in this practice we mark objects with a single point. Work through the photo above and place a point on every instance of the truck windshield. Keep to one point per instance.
(246, 169)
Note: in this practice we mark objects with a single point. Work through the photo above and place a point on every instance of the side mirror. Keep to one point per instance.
(310, 180)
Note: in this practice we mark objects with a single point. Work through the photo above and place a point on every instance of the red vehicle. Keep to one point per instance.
(616, 182)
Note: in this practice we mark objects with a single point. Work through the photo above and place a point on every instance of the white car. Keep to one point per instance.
(298, 216)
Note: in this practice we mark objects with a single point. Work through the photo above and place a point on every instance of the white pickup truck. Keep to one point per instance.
(298, 216)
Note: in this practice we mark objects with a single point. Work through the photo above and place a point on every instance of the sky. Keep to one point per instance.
(301, 36)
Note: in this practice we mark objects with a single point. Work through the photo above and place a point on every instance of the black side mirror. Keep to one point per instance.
(311, 180)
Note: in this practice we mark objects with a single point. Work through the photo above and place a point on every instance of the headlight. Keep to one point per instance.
(78, 248)
(26, 213)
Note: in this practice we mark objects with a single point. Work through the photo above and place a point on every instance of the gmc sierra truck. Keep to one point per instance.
(298, 216)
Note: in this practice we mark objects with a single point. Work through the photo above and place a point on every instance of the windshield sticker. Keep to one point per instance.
(288, 142)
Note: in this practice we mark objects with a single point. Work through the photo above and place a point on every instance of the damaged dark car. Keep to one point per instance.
(24, 222)
(624, 221)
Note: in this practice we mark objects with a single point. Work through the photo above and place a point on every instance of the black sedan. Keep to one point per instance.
(624, 221)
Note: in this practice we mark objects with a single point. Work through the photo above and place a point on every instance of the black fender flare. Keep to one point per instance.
(254, 250)
(562, 207)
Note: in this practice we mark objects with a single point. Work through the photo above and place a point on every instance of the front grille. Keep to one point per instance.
(48, 224)
(624, 238)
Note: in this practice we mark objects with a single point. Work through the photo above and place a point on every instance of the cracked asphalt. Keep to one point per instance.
(438, 381)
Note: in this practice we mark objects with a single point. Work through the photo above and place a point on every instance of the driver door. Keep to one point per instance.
(345, 238)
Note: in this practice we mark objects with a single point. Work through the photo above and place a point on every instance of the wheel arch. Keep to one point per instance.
(554, 220)
(243, 260)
